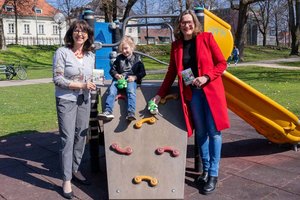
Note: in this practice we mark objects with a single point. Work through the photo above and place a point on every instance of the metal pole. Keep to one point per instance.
(147, 34)
(59, 31)
(36, 24)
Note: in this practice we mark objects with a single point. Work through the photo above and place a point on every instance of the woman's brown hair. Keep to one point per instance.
(198, 27)
(88, 45)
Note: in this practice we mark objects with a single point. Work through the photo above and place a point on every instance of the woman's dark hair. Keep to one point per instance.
(198, 27)
(88, 45)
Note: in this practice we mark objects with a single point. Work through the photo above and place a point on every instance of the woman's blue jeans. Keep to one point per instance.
(208, 138)
(131, 96)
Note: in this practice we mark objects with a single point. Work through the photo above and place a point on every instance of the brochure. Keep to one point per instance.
(98, 76)
(187, 76)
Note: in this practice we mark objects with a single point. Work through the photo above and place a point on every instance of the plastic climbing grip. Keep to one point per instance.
(126, 150)
(169, 96)
(150, 120)
(174, 152)
(152, 181)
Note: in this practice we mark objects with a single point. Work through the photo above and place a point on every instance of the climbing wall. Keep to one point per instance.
(145, 159)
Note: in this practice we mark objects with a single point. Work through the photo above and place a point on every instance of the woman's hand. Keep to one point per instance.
(131, 78)
(156, 99)
(90, 86)
(200, 81)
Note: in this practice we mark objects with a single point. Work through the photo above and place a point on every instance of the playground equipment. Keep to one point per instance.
(143, 158)
(146, 159)
(269, 118)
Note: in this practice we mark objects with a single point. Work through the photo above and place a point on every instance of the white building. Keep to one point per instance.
(35, 24)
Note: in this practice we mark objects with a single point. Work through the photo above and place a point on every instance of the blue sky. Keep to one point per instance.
(52, 2)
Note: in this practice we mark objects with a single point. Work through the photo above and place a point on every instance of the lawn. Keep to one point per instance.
(31, 108)
(290, 64)
(28, 108)
(37, 59)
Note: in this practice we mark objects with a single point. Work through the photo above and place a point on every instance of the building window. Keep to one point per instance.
(129, 30)
(9, 8)
(11, 28)
(41, 29)
(272, 32)
(37, 10)
(26, 29)
(55, 30)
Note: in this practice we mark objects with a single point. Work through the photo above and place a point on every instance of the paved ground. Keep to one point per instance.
(251, 168)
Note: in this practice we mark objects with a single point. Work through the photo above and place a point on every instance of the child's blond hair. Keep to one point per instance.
(127, 40)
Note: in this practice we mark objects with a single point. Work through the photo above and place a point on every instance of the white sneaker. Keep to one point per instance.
(106, 115)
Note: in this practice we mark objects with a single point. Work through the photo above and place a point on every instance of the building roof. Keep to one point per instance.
(26, 8)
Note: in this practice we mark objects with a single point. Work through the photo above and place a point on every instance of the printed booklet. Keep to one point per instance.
(98, 77)
(187, 76)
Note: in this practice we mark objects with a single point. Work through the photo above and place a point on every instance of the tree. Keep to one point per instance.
(261, 12)
(113, 9)
(2, 38)
(279, 18)
(242, 20)
(69, 6)
(294, 17)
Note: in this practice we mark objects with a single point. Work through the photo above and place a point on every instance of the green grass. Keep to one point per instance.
(26, 109)
(258, 53)
(290, 64)
(37, 59)
(280, 85)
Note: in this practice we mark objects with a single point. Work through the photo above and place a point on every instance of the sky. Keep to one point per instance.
(52, 2)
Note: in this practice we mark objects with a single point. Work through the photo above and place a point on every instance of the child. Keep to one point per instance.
(127, 65)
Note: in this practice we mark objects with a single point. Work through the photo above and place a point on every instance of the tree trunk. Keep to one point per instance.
(265, 39)
(239, 35)
(276, 29)
(188, 4)
(16, 21)
(2, 38)
(128, 8)
(294, 26)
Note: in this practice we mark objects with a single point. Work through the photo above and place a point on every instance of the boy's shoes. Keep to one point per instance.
(130, 116)
(106, 115)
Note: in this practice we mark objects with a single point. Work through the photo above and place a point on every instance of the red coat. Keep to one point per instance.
(210, 62)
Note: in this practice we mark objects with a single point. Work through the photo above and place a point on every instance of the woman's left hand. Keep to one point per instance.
(200, 81)
(90, 86)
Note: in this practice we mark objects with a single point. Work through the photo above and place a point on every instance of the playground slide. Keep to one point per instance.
(268, 117)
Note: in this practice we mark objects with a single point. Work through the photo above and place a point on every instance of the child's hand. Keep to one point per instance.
(118, 76)
(131, 78)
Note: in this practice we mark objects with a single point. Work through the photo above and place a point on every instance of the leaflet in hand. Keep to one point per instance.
(187, 76)
(98, 76)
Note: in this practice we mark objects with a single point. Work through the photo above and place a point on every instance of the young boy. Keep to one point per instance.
(127, 65)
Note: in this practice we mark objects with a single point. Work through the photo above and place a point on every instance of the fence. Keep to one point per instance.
(33, 40)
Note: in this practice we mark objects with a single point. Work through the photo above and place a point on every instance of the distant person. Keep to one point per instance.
(235, 55)
(203, 101)
(129, 67)
(72, 76)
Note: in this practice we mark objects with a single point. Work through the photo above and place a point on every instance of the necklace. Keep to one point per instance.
(79, 55)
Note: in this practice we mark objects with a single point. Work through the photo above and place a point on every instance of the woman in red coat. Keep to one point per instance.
(203, 101)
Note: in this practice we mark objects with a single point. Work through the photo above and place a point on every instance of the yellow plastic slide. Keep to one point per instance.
(268, 117)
